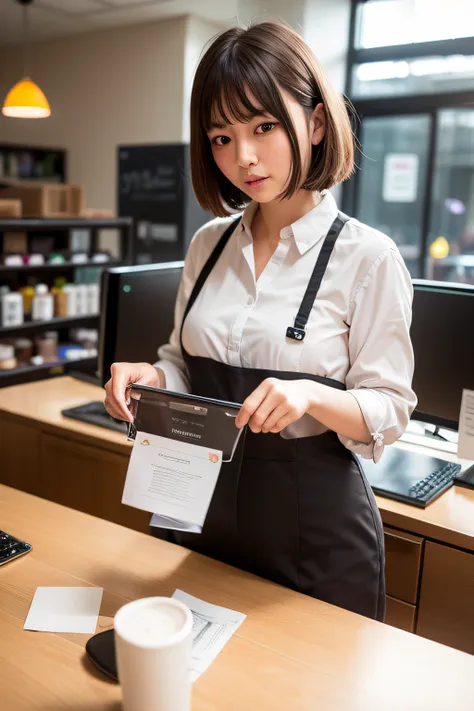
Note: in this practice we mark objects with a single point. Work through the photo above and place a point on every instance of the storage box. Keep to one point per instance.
(46, 199)
(10, 209)
(15, 243)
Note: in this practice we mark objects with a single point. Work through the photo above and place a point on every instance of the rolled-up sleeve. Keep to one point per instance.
(381, 354)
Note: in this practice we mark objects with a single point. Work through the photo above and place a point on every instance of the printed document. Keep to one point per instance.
(174, 480)
(466, 426)
(213, 626)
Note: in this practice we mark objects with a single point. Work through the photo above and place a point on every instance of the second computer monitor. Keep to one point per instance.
(137, 313)
(442, 334)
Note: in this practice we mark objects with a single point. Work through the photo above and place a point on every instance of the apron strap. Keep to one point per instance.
(297, 332)
(207, 269)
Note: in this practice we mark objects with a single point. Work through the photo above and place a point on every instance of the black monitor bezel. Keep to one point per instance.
(110, 286)
(441, 287)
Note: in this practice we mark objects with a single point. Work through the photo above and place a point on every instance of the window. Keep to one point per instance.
(392, 180)
(410, 77)
(405, 77)
(450, 255)
(384, 23)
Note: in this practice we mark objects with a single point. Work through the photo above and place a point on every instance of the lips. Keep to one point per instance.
(255, 180)
(251, 178)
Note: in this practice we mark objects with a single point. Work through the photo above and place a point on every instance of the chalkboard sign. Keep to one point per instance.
(154, 188)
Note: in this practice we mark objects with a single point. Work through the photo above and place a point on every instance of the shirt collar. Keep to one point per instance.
(306, 231)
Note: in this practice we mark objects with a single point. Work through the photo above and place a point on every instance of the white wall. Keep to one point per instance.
(133, 84)
(290, 11)
(198, 34)
(326, 30)
(105, 88)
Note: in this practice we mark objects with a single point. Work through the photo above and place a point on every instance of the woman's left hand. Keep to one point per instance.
(275, 404)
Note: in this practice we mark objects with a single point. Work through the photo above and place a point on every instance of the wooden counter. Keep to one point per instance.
(292, 652)
(430, 552)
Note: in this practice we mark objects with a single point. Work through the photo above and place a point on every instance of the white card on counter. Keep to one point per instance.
(213, 626)
(173, 480)
(64, 609)
(466, 426)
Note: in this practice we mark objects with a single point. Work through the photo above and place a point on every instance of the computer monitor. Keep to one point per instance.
(137, 313)
(443, 341)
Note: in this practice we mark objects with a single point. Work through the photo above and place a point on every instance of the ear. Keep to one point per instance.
(317, 125)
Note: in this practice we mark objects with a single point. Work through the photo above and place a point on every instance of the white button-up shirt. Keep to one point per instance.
(357, 333)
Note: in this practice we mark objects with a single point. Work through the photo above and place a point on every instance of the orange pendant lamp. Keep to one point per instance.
(25, 99)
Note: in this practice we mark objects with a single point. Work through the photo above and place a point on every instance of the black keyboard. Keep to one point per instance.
(11, 547)
(94, 413)
(435, 483)
(410, 477)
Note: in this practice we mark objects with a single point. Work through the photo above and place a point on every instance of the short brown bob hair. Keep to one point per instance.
(262, 58)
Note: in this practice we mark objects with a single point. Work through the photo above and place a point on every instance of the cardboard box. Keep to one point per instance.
(10, 209)
(49, 200)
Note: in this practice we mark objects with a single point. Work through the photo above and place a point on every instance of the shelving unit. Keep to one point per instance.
(29, 327)
(47, 370)
(17, 276)
(57, 267)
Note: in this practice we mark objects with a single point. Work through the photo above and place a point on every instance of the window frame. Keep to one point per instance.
(429, 104)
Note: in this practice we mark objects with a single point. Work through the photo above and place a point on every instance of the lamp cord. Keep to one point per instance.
(26, 58)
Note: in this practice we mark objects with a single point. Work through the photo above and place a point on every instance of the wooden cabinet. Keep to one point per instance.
(87, 478)
(446, 609)
(400, 614)
(403, 558)
(19, 455)
(403, 553)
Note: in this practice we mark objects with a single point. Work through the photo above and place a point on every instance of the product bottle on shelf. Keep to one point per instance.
(12, 309)
(43, 304)
(93, 299)
(7, 357)
(60, 297)
(47, 346)
(28, 296)
(82, 299)
(23, 350)
(70, 290)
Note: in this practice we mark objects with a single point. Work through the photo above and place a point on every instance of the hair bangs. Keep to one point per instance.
(241, 76)
(226, 98)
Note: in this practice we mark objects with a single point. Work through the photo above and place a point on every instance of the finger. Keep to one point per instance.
(288, 419)
(271, 403)
(275, 416)
(253, 401)
(116, 395)
(113, 411)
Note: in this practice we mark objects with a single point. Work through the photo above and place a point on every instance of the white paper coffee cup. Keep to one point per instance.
(153, 651)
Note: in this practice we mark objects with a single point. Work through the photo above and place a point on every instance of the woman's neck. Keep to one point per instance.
(273, 216)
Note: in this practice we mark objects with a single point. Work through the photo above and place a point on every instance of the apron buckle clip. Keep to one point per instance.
(297, 334)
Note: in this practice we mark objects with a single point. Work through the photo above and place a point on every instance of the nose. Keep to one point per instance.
(246, 155)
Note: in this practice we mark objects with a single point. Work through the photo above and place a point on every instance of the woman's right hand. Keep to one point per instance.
(124, 374)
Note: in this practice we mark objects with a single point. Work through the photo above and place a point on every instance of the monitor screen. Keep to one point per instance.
(137, 313)
(443, 340)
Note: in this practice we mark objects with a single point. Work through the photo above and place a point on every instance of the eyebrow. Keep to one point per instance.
(215, 124)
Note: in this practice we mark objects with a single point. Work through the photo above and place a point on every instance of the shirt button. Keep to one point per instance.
(250, 301)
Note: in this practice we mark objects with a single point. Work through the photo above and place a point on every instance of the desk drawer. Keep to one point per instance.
(403, 553)
(400, 614)
(446, 610)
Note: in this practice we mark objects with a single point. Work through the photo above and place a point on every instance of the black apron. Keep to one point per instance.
(296, 511)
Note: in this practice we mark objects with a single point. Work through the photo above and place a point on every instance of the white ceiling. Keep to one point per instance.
(58, 18)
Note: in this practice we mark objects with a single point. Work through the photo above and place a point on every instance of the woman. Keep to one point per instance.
(294, 310)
